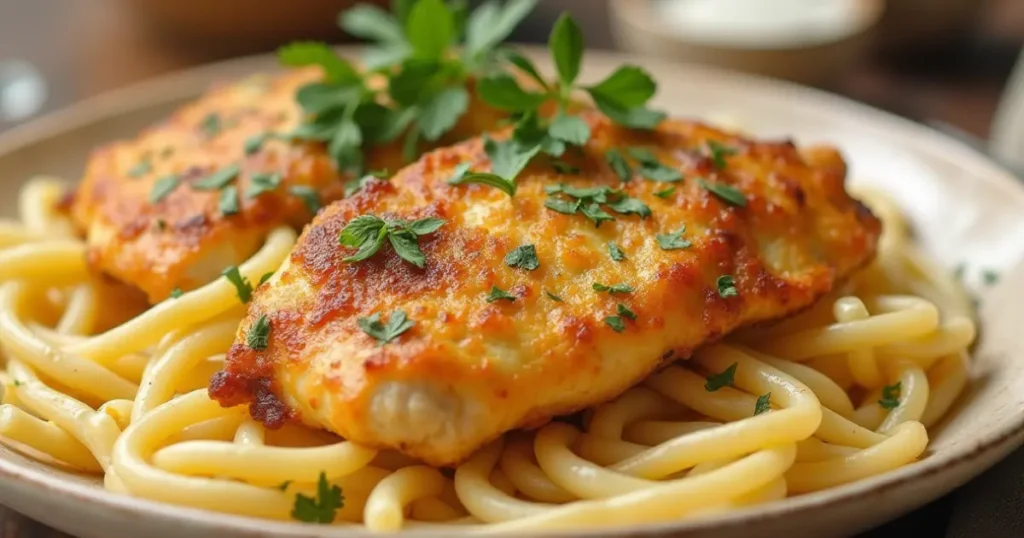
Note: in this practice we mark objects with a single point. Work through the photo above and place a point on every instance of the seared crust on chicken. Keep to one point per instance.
(184, 240)
(468, 369)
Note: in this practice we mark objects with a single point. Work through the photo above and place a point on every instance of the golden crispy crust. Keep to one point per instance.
(184, 240)
(469, 370)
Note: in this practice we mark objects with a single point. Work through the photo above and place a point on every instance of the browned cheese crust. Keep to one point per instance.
(469, 370)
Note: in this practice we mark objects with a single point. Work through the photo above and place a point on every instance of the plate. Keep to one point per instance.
(964, 209)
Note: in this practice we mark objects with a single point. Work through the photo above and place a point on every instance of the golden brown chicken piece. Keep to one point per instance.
(778, 232)
(184, 239)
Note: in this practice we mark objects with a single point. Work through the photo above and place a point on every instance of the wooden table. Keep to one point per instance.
(86, 47)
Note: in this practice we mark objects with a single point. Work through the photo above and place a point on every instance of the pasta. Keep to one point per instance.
(844, 391)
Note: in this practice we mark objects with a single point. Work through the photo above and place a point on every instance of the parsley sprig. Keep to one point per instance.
(891, 396)
(385, 332)
(368, 233)
(322, 508)
(569, 200)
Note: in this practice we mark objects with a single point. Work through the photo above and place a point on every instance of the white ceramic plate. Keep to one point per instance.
(964, 208)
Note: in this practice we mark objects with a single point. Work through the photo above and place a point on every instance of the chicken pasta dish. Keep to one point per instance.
(440, 288)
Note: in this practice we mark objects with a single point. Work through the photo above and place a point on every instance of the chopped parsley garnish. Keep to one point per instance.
(161, 224)
(615, 252)
(322, 508)
(727, 286)
(727, 193)
(385, 333)
(588, 200)
(259, 334)
(367, 233)
(176, 292)
(18, 382)
(163, 187)
(255, 142)
(523, 257)
(563, 167)
(665, 193)
(217, 180)
(890, 396)
(284, 485)
(618, 164)
(651, 168)
(228, 202)
(718, 152)
(262, 182)
(989, 277)
(615, 288)
(552, 296)
(308, 195)
(211, 125)
(266, 276)
(242, 284)
(625, 312)
(764, 403)
(356, 185)
(616, 323)
(721, 379)
(673, 241)
(141, 168)
(498, 294)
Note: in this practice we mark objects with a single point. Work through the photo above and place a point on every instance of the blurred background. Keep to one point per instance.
(949, 63)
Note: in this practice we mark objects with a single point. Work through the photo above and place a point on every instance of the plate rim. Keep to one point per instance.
(175, 86)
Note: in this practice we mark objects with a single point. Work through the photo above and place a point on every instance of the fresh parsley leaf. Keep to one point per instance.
(727, 193)
(259, 334)
(323, 507)
(643, 155)
(629, 86)
(509, 157)
(630, 206)
(255, 142)
(718, 153)
(368, 233)
(615, 252)
(764, 404)
(371, 22)
(661, 173)
(228, 202)
(563, 167)
(523, 257)
(425, 226)
(890, 396)
(384, 333)
(727, 286)
(525, 65)
(284, 485)
(242, 285)
(484, 178)
(163, 187)
(429, 29)
(140, 169)
(308, 195)
(176, 292)
(636, 118)
(594, 212)
(439, 114)
(570, 129)
(616, 323)
(492, 22)
(618, 164)
(665, 193)
(566, 45)
(266, 276)
(406, 245)
(300, 54)
(355, 185)
(625, 312)
(673, 241)
(567, 207)
(498, 294)
(502, 91)
(211, 125)
(216, 180)
(262, 182)
(721, 379)
(365, 232)
(615, 288)
(553, 297)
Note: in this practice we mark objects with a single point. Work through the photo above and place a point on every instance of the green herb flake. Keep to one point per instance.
(284, 485)
(498, 294)
(176, 292)
(228, 202)
(616, 323)
(625, 312)
(217, 180)
(384, 333)
(890, 396)
(764, 404)
(727, 193)
(140, 169)
(262, 182)
(673, 241)
(615, 252)
(308, 195)
(563, 167)
(259, 334)
(367, 233)
(989, 277)
(665, 193)
(727, 286)
(322, 508)
(241, 284)
(553, 297)
(161, 224)
(615, 288)
(721, 379)
(523, 257)
(211, 125)
(254, 143)
(266, 276)
(618, 164)
(566, 207)
(718, 152)
(162, 188)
